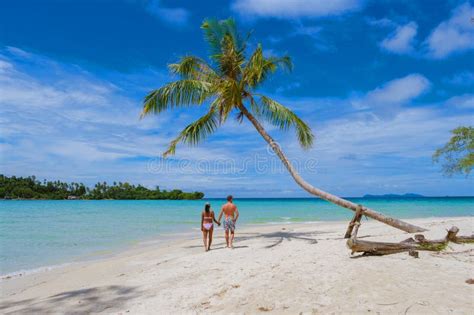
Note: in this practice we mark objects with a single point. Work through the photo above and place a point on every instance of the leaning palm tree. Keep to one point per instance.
(227, 84)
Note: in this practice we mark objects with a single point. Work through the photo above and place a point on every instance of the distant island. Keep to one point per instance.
(409, 195)
(30, 188)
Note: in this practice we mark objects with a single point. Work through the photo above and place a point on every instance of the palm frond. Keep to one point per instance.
(215, 31)
(179, 93)
(282, 62)
(258, 67)
(227, 47)
(284, 118)
(230, 95)
(195, 132)
(231, 59)
(191, 67)
(240, 117)
(213, 34)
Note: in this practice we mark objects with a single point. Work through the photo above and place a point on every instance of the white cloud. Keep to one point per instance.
(18, 52)
(18, 89)
(86, 151)
(288, 87)
(463, 78)
(401, 40)
(294, 8)
(411, 133)
(454, 35)
(314, 32)
(399, 90)
(5, 66)
(462, 101)
(174, 16)
(383, 22)
(387, 98)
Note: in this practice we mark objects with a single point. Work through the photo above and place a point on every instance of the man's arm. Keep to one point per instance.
(236, 214)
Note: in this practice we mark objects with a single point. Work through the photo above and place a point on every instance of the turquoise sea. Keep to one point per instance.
(41, 233)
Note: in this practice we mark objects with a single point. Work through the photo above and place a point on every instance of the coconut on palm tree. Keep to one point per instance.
(229, 83)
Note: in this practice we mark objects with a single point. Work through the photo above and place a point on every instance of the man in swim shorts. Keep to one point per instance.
(231, 216)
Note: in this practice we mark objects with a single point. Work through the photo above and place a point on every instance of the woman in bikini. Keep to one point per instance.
(207, 225)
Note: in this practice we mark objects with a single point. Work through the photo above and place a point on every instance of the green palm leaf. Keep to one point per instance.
(258, 67)
(284, 118)
(230, 94)
(177, 94)
(193, 68)
(215, 31)
(195, 132)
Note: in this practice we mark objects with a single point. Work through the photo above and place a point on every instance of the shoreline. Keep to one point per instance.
(95, 256)
(170, 237)
(286, 268)
(370, 197)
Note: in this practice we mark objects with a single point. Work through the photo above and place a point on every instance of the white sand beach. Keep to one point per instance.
(291, 268)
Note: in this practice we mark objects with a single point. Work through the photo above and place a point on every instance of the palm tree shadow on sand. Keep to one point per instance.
(280, 236)
(276, 238)
(84, 301)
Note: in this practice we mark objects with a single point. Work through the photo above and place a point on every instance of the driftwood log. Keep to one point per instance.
(355, 220)
(452, 236)
(419, 242)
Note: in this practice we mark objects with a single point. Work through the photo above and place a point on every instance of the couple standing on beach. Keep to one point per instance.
(208, 219)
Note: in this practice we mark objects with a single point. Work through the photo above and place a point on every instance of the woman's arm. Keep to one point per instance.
(214, 218)
(220, 215)
(202, 220)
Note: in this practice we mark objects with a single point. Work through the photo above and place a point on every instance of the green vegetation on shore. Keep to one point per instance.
(30, 188)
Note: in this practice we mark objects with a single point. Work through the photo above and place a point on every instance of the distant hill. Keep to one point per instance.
(409, 195)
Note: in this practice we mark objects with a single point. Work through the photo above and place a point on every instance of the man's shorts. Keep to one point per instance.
(229, 224)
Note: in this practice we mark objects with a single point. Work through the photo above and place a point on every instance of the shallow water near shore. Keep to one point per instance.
(36, 233)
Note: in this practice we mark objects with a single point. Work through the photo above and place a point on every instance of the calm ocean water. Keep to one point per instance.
(39, 233)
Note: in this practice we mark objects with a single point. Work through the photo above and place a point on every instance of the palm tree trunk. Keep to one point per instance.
(320, 193)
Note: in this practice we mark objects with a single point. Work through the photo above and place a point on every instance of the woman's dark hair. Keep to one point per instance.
(207, 207)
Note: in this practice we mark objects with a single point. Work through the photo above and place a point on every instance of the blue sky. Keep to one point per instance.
(381, 83)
